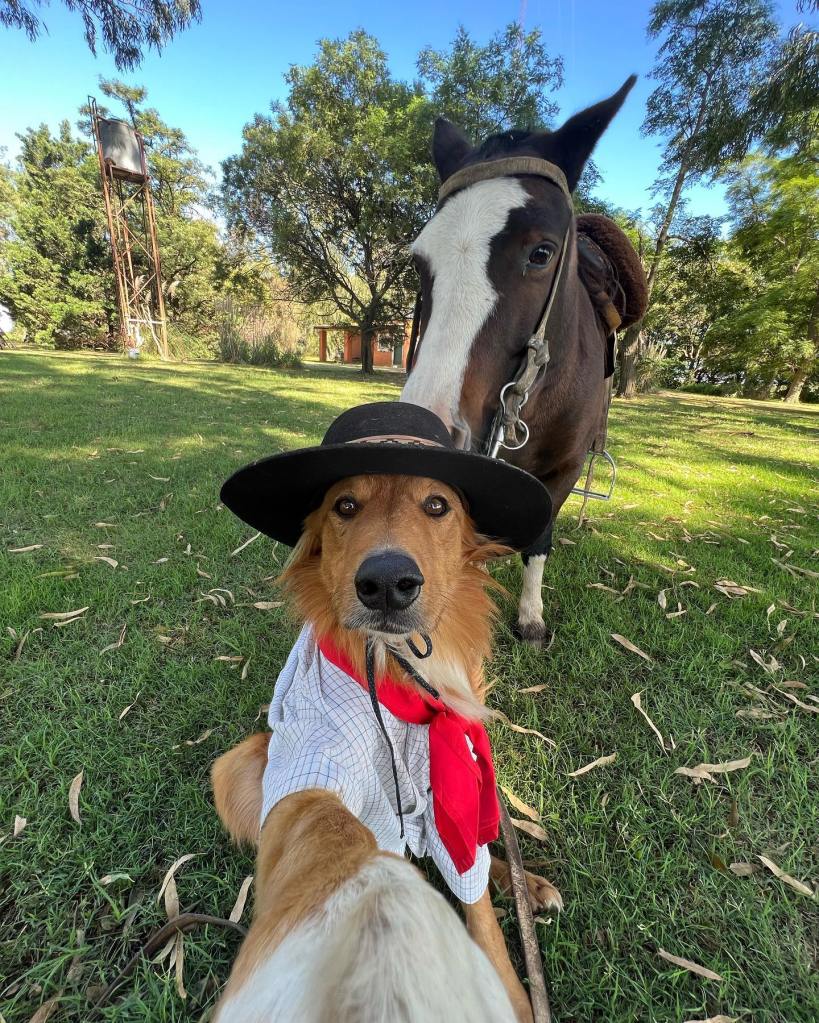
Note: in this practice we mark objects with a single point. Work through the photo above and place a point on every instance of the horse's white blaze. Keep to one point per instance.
(530, 610)
(456, 246)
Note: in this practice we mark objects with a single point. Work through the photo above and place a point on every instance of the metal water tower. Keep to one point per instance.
(126, 187)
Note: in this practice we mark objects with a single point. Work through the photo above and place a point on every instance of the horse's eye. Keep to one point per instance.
(542, 255)
(436, 506)
(346, 507)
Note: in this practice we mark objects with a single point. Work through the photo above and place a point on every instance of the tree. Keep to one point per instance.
(126, 29)
(336, 181)
(774, 330)
(707, 62)
(486, 89)
(56, 274)
(55, 271)
(689, 293)
(503, 84)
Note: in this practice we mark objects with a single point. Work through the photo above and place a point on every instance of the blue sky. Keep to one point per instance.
(214, 77)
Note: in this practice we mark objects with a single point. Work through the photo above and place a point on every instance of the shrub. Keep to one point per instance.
(263, 352)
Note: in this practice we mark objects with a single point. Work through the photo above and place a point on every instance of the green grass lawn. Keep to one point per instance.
(107, 460)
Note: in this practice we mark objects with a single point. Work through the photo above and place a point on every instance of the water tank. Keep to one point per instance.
(121, 147)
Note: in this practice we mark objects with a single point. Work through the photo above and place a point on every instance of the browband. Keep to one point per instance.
(503, 168)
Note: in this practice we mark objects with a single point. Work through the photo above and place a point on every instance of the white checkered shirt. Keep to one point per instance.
(325, 736)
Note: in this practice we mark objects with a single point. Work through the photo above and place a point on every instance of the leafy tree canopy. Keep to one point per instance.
(125, 29)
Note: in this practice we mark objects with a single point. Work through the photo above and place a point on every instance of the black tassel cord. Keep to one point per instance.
(371, 689)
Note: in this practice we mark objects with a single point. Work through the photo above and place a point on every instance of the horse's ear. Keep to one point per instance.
(450, 147)
(572, 145)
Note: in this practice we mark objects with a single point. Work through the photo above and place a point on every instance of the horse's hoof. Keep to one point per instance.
(535, 634)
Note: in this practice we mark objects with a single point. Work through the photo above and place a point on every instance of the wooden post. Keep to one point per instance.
(322, 345)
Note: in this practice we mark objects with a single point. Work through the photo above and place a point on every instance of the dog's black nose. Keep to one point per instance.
(388, 582)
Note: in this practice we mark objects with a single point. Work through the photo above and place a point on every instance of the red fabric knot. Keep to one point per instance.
(464, 797)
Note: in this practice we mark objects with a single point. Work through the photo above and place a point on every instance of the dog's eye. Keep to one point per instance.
(436, 506)
(541, 255)
(346, 507)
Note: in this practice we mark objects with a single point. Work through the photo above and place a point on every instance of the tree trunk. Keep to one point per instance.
(366, 335)
(794, 392)
(805, 367)
(627, 381)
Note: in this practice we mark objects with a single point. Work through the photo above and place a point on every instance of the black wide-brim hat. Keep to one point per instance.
(276, 494)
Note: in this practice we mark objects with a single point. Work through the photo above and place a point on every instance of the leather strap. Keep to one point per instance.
(509, 165)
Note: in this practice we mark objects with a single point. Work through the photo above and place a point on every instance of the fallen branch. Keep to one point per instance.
(541, 1012)
(181, 923)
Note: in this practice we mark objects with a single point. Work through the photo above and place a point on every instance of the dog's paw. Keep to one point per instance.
(542, 894)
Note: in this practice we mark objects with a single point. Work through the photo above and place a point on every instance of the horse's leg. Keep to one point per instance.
(531, 627)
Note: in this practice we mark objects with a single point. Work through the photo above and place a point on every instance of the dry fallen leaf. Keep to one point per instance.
(602, 586)
(799, 703)
(535, 830)
(62, 616)
(519, 805)
(74, 796)
(160, 479)
(706, 772)
(743, 869)
(630, 646)
(533, 689)
(687, 964)
(171, 899)
(108, 561)
(45, 1011)
(733, 590)
(715, 1019)
(795, 570)
(129, 708)
(179, 964)
(247, 543)
(241, 899)
(195, 742)
(25, 550)
(230, 658)
(19, 824)
(119, 876)
(268, 605)
(172, 870)
(523, 731)
(662, 600)
(600, 762)
(797, 886)
(118, 643)
(638, 704)
(245, 669)
(769, 667)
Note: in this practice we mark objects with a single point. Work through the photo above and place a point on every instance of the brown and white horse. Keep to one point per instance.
(497, 261)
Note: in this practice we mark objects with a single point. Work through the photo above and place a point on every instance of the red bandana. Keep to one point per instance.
(464, 798)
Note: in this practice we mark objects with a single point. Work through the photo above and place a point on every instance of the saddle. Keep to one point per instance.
(612, 274)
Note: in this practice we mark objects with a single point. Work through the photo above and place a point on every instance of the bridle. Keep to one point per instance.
(508, 429)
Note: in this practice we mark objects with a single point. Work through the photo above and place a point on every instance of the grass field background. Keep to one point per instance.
(107, 460)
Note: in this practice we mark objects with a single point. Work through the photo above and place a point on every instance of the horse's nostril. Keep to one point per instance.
(388, 582)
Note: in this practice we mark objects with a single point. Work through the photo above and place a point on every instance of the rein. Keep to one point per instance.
(508, 430)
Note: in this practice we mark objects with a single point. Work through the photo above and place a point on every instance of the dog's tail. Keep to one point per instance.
(237, 787)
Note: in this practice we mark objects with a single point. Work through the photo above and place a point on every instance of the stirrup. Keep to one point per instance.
(597, 495)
